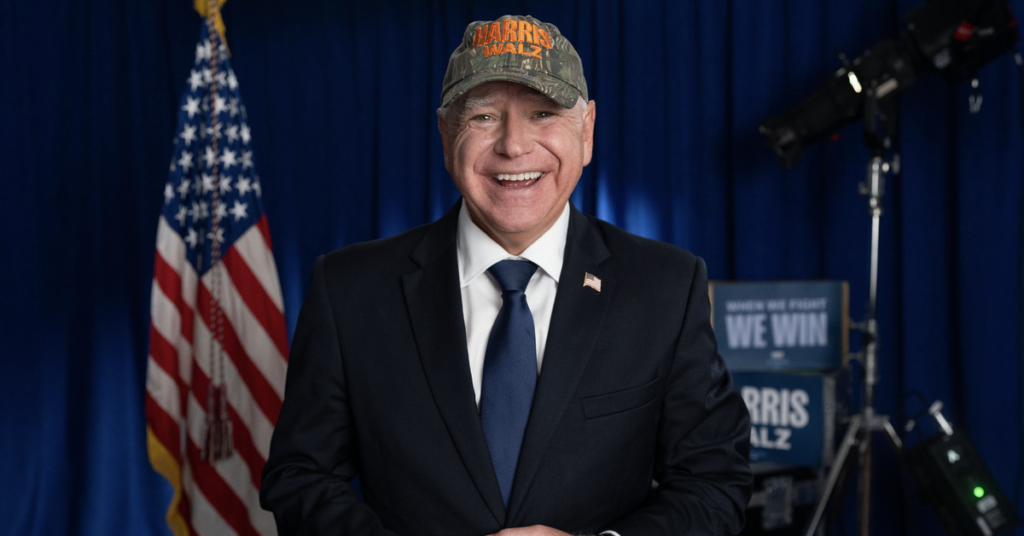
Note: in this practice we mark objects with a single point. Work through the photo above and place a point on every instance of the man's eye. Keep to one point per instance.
(482, 117)
(544, 113)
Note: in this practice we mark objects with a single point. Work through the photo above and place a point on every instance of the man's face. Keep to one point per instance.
(516, 156)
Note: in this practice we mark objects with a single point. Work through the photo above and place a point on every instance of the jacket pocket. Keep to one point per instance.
(620, 401)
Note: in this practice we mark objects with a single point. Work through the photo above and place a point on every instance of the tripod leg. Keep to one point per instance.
(842, 458)
(864, 491)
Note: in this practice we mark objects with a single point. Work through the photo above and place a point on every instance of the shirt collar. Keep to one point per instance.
(477, 251)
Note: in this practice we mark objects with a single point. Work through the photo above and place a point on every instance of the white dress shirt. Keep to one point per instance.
(481, 295)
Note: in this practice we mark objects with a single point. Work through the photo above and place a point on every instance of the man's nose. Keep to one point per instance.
(516, 138)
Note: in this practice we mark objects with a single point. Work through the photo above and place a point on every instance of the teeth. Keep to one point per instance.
(518, 176)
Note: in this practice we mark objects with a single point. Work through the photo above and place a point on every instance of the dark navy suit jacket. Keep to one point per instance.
(632, 390)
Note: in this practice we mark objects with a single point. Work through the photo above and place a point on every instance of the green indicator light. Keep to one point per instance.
(979, 491)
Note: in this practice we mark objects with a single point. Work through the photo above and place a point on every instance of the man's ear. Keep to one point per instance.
(588, 132)
(442, 127)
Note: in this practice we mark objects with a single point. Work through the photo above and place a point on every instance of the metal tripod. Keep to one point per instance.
(862, 425)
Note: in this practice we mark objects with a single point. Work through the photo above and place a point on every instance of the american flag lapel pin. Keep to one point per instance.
(592, 281)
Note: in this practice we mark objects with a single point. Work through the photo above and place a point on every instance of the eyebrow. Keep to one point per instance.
(473, 103)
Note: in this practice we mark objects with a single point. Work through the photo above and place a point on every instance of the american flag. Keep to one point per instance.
(218, 346)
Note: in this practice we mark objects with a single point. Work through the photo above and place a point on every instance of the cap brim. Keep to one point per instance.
(556, 89)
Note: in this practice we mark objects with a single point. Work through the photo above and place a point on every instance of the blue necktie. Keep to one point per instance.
(510, 372)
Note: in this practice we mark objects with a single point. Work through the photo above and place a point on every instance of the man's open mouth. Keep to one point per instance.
(517, 180)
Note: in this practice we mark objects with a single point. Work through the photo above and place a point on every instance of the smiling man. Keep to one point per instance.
(515, 368)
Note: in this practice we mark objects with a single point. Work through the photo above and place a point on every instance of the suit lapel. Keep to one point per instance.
(435, 310)
(575, 324)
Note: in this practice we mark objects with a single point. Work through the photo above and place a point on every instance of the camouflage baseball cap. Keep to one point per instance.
(516, 49)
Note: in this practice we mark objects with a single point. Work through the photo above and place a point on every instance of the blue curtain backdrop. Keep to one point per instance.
(341, 99)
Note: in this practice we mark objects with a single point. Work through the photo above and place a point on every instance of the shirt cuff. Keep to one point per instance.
(609, 533)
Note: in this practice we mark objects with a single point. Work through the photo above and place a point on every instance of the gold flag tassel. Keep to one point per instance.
(218, 442)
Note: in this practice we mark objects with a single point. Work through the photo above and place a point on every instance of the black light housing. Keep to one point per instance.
(950, 37)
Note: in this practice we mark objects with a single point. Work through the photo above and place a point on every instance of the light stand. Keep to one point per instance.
(862, 425)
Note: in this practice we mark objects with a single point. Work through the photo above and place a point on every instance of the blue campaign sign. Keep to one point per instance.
(792, 417)
(781, 325)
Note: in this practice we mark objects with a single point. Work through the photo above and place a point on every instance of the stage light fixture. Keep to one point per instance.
(951, 37)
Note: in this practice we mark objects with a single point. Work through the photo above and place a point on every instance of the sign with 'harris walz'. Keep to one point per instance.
(781, 325)
(792, 417)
